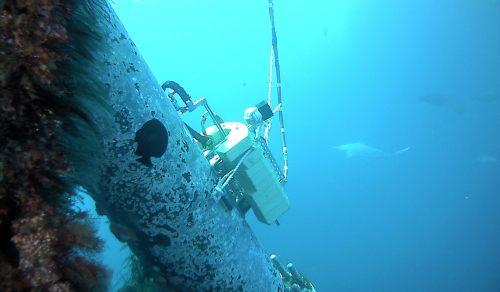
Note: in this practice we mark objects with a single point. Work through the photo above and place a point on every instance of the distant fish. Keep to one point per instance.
(360, 149)
(487, 97)
(152, 141)
(438, 99)
(486, 159)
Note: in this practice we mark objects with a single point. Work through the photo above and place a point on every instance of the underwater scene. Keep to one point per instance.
(300, 145)
(361, 81)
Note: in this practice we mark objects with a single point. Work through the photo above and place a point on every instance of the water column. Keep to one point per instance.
(164, 210)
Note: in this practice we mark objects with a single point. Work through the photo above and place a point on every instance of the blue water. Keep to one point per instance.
(356, 71)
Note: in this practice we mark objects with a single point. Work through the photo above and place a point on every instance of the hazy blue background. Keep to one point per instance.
(355, 71)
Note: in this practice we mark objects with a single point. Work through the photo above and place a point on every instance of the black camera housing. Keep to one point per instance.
(265, 110)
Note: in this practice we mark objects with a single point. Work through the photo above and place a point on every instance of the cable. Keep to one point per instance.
(224, 181)
(278, 87)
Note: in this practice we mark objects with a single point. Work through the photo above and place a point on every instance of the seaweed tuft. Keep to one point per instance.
(138, 280)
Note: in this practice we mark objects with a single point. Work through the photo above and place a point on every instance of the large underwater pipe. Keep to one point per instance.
(162, 206)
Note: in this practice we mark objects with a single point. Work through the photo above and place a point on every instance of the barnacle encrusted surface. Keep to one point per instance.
(44, 244)
(165, 210)
(70, 109)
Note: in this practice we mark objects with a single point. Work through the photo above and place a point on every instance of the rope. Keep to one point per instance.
(270, 76)
(268, 123)
(266, 131)
(279, 108)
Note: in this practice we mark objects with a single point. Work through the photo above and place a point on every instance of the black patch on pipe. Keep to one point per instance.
(152, 141)
(187, 176)
(161, 239)
(190, 220)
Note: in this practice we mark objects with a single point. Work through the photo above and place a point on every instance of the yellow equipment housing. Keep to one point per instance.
(256, 176)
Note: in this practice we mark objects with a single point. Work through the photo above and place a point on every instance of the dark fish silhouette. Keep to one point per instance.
(486, 97)
(152, 141)
(441, 100)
